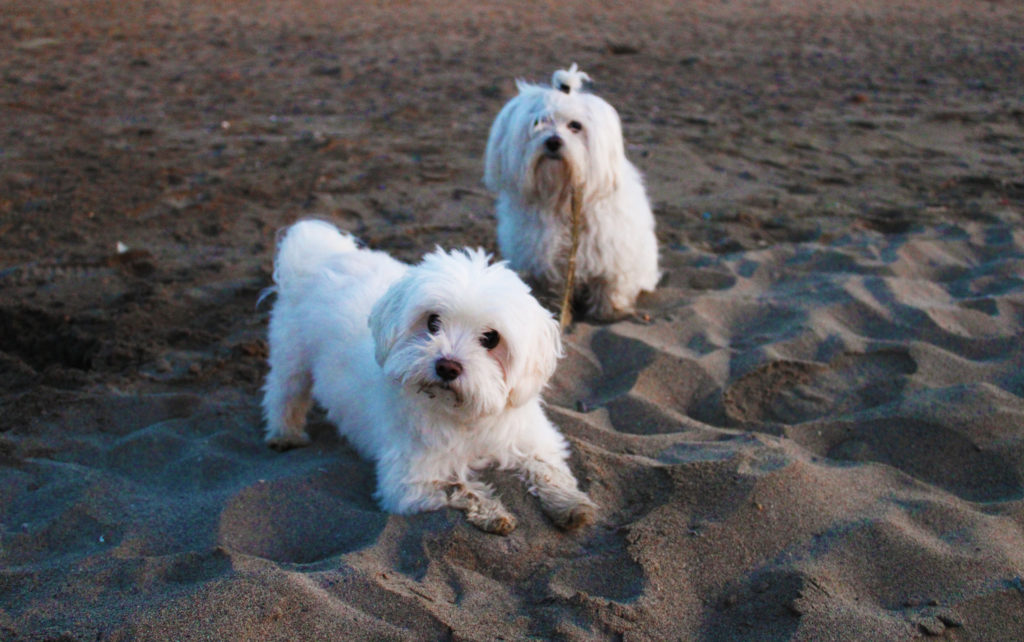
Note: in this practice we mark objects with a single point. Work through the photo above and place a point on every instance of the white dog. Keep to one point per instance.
(545, 141)
(432, 371)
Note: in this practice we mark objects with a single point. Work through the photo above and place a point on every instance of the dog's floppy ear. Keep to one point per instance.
(389, 318)
(534, 355)
(608, 153)
(496, 161)
(509, 134)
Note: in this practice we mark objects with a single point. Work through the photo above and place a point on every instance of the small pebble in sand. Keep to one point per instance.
(932, 626)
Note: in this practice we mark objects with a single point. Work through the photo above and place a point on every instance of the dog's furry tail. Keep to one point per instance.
(304, 249)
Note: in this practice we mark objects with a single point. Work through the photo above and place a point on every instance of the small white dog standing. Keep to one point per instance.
(432, 371)
(544, 143)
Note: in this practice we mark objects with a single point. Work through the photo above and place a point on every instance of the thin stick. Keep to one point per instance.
(565, 318)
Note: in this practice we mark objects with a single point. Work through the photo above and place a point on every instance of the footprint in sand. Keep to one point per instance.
(646, 390)
(315, 524)
(606, 571)
(860, 408)
(793, 392)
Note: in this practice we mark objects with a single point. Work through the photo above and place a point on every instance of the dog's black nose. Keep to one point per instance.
(448, 369)
(553, 144)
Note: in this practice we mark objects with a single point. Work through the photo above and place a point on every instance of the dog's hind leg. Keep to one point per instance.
(286, 400)
(609, 300)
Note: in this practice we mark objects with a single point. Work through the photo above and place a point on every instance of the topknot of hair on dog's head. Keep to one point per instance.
(569, 80)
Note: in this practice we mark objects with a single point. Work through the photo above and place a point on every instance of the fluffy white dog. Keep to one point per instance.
(543, 142)
(432, 371)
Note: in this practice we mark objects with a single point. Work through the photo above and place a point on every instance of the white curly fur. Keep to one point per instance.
(355, 330)
(542, 142)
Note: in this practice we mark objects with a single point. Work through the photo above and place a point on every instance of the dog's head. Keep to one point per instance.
(548, 138)
(464, 336)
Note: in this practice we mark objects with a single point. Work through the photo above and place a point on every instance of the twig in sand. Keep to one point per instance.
(565, 317)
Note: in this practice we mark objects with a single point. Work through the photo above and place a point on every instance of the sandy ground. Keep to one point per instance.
(819, 434)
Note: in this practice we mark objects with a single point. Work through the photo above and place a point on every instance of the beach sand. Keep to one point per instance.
(814, 431)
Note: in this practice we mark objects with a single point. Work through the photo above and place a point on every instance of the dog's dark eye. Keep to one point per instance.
(575, 126)
(490, 339)
(433, 324)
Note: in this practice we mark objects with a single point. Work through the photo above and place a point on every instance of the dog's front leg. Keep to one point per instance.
(553, 483)
(482, 508)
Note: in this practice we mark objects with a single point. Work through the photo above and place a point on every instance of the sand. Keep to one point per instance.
(815, 432)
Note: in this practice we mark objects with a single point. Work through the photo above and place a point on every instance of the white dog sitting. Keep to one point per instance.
(544, 142)
(432, 371)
